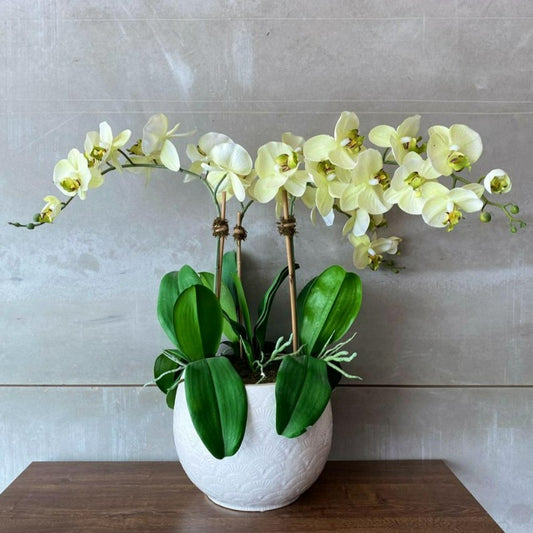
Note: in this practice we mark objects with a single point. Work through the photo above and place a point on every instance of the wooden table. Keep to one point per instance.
(376, 496)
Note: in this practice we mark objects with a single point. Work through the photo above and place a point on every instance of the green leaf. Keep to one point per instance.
(266, 305)
(187, 277)
(302, 393)
(208, 280)
(171, 398)
(217, 403)
(168, 294)
(198, 322)
(226, 301)
(243, 306)
(240, 332)
(229, 269)
(163, 364)
(328, 307)
(300, 300)
(171, 286)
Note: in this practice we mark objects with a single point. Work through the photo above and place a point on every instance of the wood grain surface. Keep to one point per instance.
(382, 496)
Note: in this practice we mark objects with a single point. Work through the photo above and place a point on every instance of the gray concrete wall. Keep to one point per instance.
(444, 347)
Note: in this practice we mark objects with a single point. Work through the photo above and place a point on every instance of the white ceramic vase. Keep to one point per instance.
(268, 471)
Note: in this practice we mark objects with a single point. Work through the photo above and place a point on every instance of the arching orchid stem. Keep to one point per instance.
(126, 156)
(287, 229)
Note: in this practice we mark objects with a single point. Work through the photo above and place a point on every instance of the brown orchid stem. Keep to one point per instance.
(220, 248)
(292, 279)
(239, 242)
(239, 235)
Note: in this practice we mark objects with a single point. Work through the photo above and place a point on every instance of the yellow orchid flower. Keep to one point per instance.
(453, 149)
(444, 208)
(340, 150)
(401, 140)
(101, 147)
(51, 209)
(409, 184)
(72, 175)
(277, 168)
(497, 182)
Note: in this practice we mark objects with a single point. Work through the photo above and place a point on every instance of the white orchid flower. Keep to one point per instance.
(156, 142)
(368, 183)
(200, 153)
(497, 182)
(323, 175)
(340, 150)
(444, 208)
(453, 149)
(370, 252)
(51, 209)
(277, 168)
(72, 175)
(101, 147)
(409, 184)
(228, 169)
(401, 140)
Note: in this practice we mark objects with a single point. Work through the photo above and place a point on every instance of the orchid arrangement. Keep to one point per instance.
(359, 177)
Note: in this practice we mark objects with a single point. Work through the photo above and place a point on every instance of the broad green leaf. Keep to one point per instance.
(208, 280)
(164, 364)
(266, 305)
(302, 393)
(226, 301)
(300, 300)
(344, 311)
(187, 277)
(238, 328)
(243, 305)
(217, 403)
(198, 322)
(168, 294)
(229, 269)
(328, 306)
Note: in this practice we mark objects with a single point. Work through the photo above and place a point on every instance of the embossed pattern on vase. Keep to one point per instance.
(268, 471)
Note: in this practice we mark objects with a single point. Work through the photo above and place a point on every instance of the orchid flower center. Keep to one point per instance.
(137, 148)
(287, 162)
(499, 184)
(97, 154)
(415, 180)
(453, 217)
(381, 178)
(457, 161)
(375, 259)
(327, 169)
(71, 184)
(353, 142)
(46, 215)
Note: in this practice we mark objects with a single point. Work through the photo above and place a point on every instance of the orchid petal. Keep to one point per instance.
(348, 121)
(341, 158)
(318, 148)
(409, 127)
(381, 135)
(169, 156)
